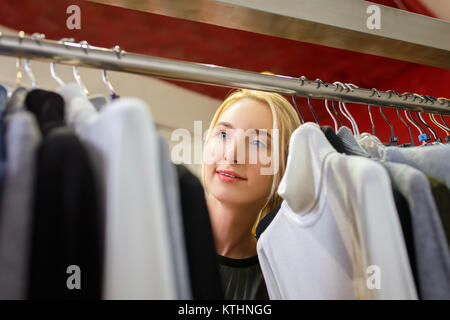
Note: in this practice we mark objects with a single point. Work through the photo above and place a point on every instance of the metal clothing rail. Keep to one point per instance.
(84, 55)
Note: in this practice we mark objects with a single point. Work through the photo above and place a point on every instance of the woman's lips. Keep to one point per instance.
(228, 176)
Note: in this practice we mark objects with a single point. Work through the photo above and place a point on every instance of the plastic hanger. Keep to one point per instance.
(394, 139)
(409, 129)
(435, 136)
(351, 86)
(402, 120)
(85, 45)
(112, 93)
(309, 101)
(29, 73)
(331, 115)
(424, 137)
(312, 110)
(337, 114)
(419, 115)
(413, 123)
(298, 110)
(440, 126)
(349, 118)
(371, 119)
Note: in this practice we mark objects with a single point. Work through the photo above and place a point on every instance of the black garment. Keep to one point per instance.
(201, 250)
(66, 226)
(264, 223)
(242, 279)
(404, 215)
(333, 139)
(48, 108)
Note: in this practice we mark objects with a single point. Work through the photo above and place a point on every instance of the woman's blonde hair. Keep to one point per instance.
(285, 119)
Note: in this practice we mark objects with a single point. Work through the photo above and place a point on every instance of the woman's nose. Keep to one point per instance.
(235, 150)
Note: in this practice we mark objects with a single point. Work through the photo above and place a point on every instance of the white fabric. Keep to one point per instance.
(123, 144)
(338, 216)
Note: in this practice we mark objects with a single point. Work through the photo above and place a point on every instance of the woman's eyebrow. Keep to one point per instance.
(264, 131)
(225, 124)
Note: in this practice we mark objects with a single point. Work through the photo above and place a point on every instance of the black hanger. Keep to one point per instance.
(394, 139)
(409, 130)
(298, 110)
(424, 136)
(436, 138)
(371, 119)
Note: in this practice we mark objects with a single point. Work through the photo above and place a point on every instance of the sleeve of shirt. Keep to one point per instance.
(388, 271)
(269, 278)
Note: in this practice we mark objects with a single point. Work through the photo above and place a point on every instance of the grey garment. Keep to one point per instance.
(22, 140)
(175, 223)
(98, 101)
(3, 96)
(431, 248)
(350, 143)
(17, 100)
(432, 160)
(432, 255)
(371, 144)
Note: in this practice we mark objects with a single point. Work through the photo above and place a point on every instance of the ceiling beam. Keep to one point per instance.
(339, 24)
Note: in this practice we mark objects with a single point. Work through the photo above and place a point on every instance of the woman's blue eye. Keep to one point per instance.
(222, 134)
(258, 143)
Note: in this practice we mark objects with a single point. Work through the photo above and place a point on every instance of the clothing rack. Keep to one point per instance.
(85, 55)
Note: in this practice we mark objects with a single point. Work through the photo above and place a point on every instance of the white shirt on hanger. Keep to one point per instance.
(123, 145)
(338, 217)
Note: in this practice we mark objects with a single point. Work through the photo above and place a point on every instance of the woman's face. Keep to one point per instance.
(240, 145)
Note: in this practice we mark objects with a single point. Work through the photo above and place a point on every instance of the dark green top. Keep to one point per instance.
(442, 199)
(242, 279)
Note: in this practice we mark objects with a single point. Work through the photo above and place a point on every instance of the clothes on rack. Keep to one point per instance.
(320, 245)
(201, 251)
(420, 210)
(84, 193)
(22, 140)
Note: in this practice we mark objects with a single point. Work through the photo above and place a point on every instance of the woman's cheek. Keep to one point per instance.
(210, 154)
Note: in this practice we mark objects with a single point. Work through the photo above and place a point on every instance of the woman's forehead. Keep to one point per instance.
(247, 114)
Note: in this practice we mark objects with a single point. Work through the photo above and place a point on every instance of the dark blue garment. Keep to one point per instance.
(3, 99)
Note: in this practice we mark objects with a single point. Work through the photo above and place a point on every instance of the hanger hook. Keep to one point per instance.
(337, 114)
(85, 46)
(445, 123)
(427, 125)
(339, 84)
(412, 122)
(406, 124)
(54, 76)
(424, 136)
(355, 128)
(312, 110)
(331, 115)
(394, 138)
(26, 65)
(298, 109)
(440, 126)
(29, 73)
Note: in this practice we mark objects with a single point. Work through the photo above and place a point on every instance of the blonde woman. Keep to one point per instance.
(244, 159)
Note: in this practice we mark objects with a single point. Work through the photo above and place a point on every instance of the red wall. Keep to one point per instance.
(185, 40)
